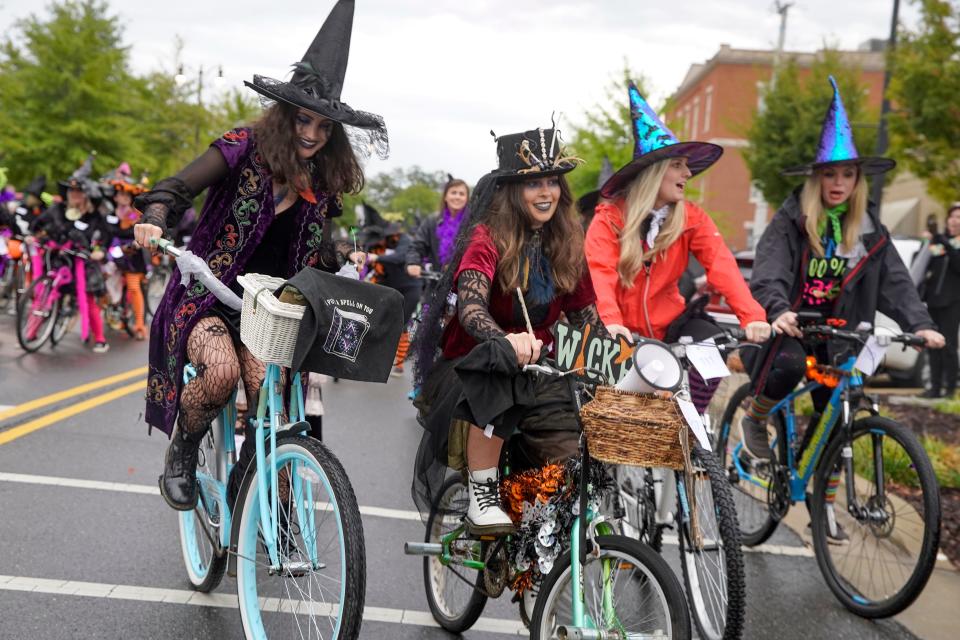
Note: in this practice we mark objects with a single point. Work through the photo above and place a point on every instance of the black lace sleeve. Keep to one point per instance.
(587, 315)
(165, 203)
(473, 300)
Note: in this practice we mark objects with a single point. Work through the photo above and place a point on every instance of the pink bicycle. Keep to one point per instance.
(49, 307)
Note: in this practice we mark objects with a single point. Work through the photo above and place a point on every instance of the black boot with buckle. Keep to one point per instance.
(178, 484)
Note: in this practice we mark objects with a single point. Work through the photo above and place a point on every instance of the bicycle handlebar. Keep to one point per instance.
(823, 330)
(193, 265)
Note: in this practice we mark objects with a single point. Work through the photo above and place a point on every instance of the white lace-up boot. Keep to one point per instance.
(484, 515)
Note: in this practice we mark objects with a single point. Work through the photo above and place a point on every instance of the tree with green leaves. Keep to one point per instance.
(65, 91)
(925, 91)
(604, 133)
(786, 131)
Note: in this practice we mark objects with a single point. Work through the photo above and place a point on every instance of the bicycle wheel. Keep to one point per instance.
(749, 494)
(643, 597)
(893, 529)
(153, 288)
(66, 319)
(37, 314)
(318, 589)
(712, 562)
(635, 485)
(203, 556)
(452, 590)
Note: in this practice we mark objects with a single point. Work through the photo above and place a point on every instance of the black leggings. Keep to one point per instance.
(776, 378)
(944, 362)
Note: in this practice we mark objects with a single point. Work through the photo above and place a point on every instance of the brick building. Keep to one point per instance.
(716, 103)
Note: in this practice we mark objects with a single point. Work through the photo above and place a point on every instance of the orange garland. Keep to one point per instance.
(530, 486)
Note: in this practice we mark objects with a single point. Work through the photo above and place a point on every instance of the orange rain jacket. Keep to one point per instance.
(654, 300)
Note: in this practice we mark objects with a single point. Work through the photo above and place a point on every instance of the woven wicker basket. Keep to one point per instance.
(267, 326)
(635, 428)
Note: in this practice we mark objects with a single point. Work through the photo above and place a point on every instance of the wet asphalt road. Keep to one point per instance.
(54, 530)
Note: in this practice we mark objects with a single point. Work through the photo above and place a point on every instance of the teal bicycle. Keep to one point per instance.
(875, 504)
(290, 531)
(593, 583)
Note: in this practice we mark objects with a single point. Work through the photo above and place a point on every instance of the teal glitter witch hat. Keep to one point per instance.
(653, 141)
(836, 143)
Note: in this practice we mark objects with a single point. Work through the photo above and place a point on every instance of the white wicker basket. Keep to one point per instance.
(267, 326)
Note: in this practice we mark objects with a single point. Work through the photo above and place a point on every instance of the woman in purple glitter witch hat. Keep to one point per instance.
(825, 250)
(273, 188)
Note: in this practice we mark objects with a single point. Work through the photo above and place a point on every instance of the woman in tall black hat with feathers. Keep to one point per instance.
(273, 189)
(524, 234)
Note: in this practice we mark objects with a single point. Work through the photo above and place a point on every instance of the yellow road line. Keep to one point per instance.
(26, 407)
(56, 416)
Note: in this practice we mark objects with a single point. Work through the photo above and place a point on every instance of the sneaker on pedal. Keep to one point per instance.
(755, 439)
(484, 515)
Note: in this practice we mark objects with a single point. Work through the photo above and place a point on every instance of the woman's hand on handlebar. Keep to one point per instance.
(758, 331)
(358, 258)
(616, 330)
(934, 339)
(786, 323)
(146, 235)
(526, 346)
(414, 270)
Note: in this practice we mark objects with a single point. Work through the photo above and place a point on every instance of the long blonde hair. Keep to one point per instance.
(641, 196)
(811, 203)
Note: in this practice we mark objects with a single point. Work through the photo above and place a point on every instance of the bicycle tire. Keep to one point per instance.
(205, 562)
(24, 314)
(440, 512)
(629, 553)
(852, 598)
(755, 522)
(725, 526)
(65, 321)
(639, 506)
(317, 466)
(154, 286)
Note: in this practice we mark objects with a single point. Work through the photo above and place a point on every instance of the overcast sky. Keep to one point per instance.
(443, 73)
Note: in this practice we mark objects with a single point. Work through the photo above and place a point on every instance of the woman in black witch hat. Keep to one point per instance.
(524, 235)
(274, 186)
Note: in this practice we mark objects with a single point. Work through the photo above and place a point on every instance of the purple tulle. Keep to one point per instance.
(447, 229)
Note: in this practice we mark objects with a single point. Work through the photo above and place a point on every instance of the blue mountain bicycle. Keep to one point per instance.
(290, 530)
(875, 505)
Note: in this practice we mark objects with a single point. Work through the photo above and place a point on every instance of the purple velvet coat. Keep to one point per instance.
(235, 218)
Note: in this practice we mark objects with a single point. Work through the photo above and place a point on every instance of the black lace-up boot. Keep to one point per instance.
(178, 484)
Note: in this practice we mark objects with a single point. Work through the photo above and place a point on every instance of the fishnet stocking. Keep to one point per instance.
(210, 350)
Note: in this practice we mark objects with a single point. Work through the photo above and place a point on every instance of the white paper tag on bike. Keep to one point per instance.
(692, 416)
(3, 246)
(113, 220)
(706, 358)
(83, 226)
(870, 356)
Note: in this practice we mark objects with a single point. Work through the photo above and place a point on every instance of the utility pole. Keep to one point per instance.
(782, 8)
(876, 189)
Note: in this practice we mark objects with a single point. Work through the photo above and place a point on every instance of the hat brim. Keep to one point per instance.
(700, 156)
(870, 166)
(335, 110)
(515, 176)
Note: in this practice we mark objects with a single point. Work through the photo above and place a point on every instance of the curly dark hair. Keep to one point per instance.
(562, 236)
(334, 168)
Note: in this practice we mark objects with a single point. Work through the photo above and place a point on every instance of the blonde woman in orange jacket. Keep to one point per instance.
(643, 234)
